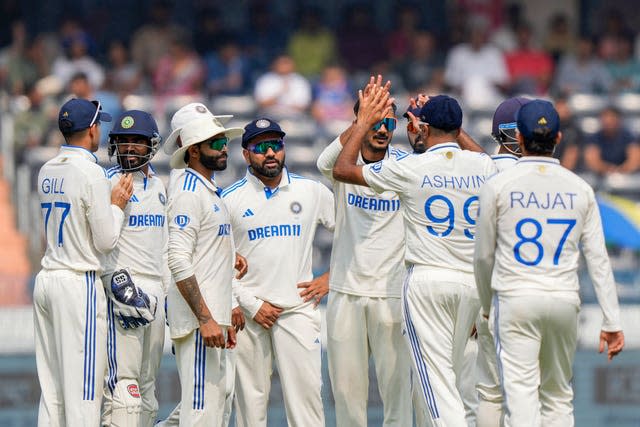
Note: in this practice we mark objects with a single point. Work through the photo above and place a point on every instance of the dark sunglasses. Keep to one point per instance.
(217, 143)
(263, 146)
(388, 122)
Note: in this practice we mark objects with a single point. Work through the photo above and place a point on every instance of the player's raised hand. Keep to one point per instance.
(231, 337)
(614, 342)
(237, 319)
(122, 191)
(267, 315)
(212, 334)
(375, 102)
(241, 265)
(315, 290)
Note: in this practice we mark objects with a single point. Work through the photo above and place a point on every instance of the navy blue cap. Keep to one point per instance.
(79, 114)
(538, 116)
(258, 127)
(135, 122)
(414, 111)
(506, 113)
(442, 112)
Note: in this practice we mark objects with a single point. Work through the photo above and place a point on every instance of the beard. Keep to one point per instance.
(131, 161)
(214, 163)
(418, 145)
(270, 170)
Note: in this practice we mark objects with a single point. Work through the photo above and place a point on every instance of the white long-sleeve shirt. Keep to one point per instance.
(368, 242)
(504, 161)
(439, 194)
(79, 220)
(533, 217)
(200, 244)
(274, 230)
(142, 245)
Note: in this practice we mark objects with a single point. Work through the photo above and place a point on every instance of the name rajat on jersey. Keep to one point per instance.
(279, 230)
(542, 200)
(146, 220)
(444, 181)
(373, 203)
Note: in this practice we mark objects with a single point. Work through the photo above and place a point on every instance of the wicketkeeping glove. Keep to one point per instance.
(131, 305)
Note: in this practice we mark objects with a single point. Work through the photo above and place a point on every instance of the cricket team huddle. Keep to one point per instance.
(453, 269)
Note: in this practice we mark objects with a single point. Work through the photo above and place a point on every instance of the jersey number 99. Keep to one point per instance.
(450, 217)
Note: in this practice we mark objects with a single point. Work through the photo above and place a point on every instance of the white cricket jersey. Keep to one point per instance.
(143, 240)
(504, 161)
(79, 220)
(200, 244)
(274, 230)
(368, 242)
(533, 218)
(439, 194)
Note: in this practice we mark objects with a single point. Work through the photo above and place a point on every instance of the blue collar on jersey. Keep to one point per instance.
(539, 159)
(504, 156)
(209, 183)
(269, 192)
(82, 150)
(444, 145)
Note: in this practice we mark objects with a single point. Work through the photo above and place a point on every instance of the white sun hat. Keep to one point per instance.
(186, 114)
(198, 131)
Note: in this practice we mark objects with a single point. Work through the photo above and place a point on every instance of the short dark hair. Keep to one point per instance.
(543, 142)
(356, 107)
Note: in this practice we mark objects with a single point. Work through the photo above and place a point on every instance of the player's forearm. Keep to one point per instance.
(106, 228)
(327, 158)
(190, 291)
(467, 143)
(246, 299)
(346, 169)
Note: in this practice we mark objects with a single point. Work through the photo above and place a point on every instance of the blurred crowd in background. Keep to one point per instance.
(307, 68)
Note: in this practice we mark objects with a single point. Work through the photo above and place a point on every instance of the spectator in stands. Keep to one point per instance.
(264, 39)
(423, 66)
(312, 47)
(16, 68)
(530, 68)
(568, 151)
(332, 97)
(227, 70)
(477, 70)
(401, 40)
(360, 42)
(582, 72)
(76, 59)
(123, 76)
(283, 93)
(33, 125)
(623, 67)
(149, 43)
(559, 40)
(505, 37)
(180, 71)
(613, 148)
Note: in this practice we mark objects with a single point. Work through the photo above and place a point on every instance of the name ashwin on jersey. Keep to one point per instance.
(372, 203)
(443, 181)
(281, 230)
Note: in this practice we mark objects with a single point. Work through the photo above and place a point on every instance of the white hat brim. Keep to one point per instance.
(177, 158)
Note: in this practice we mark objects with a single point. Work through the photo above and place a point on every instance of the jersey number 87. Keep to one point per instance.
(534, 239)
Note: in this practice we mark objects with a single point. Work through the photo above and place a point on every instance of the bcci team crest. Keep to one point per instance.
(201, 109)
(127, 122)
(263, 123)
(162, 198)
(296, 207)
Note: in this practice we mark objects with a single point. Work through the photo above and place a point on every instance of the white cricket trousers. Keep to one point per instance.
(439, 308)
(203, 375)
(359, 327)
(490, 399)
(70, 340)
(133, 357)
(536, 342)
(294, 343)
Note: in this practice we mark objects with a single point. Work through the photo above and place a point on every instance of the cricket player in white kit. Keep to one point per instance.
(489, 413)
(201, 259)
(533, 218)
(82, 219)
(438, 191)
(134, 352)
(274, 215)
(364, 314)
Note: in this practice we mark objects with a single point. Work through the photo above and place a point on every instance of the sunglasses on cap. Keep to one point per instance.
(388, 122)
(263, 146)
(217, 143)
